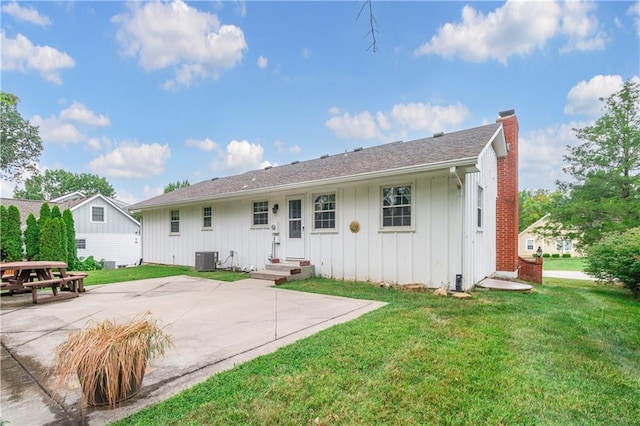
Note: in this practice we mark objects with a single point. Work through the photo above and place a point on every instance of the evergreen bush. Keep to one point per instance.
(566, 255)
(556, 255)
(72, 250)
(11, 238)
(546, 255)
(617, 258)
(50, 244)
(32, 237)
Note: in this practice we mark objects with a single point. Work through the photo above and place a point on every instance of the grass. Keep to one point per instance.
(563, 264)
(105, 276)
(567, 353)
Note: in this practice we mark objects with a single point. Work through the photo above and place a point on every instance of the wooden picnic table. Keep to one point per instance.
(33, 275)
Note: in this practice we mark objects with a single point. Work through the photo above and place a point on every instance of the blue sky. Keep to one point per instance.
(148, 93)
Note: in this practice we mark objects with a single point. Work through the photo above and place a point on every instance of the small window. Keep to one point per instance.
(260, 213)
(396, 206)
(530, 244)
(81, 244)
(325, 211)
(479, 207)
(207, 217)
(97, 214)
(175, 221)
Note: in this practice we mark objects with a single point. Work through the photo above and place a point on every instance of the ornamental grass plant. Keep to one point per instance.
(109, 359)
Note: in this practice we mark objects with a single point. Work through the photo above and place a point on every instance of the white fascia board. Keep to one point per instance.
(469, 165)
(498, 142)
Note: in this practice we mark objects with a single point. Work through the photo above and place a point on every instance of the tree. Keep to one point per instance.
(176, 185)
(50, 241)
(55, 183)
(533, 204)
(55, 212)
(11, 238)
(20, 143)
(604, 195)
(72, 250)
(32, 237)
(45, 213)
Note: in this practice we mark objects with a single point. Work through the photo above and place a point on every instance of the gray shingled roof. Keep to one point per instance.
(33, 206)
(464, 144)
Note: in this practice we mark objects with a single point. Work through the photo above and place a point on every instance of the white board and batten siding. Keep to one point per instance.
(116, 238)
(430, 252)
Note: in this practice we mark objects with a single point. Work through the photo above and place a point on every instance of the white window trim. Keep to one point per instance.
(411, 228)
(333, 230)
(171, 221)
(207, 228)
(104, 214)
(533, 244)
(480, 191)
(260, 226)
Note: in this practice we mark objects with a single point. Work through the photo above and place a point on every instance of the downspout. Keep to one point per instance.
(454, 174)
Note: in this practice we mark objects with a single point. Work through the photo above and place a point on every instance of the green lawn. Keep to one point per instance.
(563, 264)
(155, 271)
(568, 353)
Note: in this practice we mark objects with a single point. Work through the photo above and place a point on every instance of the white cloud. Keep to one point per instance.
(634, 12)
(150, 192)
(19, 54)
(54, 130)
(282, 148)
(402, 119)
(6, 188)
(334, 110)
(306, 53)
(584, 97)
(26, 14)
(516, 28)
(80, 113)
(263, 62)
(242, 156)
(163, 35)
(132, 160)
(581, 28)
(203, 144)
(540, 155)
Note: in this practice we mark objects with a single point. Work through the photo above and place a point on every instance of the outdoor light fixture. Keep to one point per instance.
(275, 208)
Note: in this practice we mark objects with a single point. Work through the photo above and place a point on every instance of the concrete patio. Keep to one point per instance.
(214, 326)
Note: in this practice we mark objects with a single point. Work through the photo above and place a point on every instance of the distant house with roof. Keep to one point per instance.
(440, 211)
(104, 229)
(529, 241)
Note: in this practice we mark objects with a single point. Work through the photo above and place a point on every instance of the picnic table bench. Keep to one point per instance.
(35, 275)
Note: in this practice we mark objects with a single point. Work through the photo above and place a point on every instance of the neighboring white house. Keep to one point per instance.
(103, 229)
(405, 212)
(529, 241)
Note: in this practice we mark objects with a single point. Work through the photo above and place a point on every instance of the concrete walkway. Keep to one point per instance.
(574, 275)
(214, 326)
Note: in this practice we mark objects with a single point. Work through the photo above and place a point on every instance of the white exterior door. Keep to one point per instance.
(295, 228)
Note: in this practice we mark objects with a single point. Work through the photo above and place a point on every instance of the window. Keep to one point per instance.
(81, 244)
(97, 214)
(564, 245)
(479, 207)
(396, 206)
(260, 213)
(530, 244)
(207, 217)
(324, 211)
(175, 221)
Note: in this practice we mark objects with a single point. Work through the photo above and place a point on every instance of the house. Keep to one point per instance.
(440, 211)
(529, 241)
(104, 229)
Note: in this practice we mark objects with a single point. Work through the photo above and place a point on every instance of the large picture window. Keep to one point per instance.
(260, 213)
(97, 214)
(324, 211)
(207, 217)
(175, 221)
(396, 206)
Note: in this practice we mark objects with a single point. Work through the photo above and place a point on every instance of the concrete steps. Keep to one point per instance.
(287, 270)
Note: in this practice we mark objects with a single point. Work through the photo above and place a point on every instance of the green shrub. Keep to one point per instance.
(72, 251)
(32, 237)
(88, 264)
(566, 255)
(11, 237)
(556, 255)
(617, 258)
(546, 255)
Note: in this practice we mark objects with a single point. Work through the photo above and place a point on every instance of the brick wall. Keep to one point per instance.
(530, 270)
(507, 200)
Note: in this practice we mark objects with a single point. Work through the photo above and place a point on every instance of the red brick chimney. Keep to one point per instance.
(507, 201)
